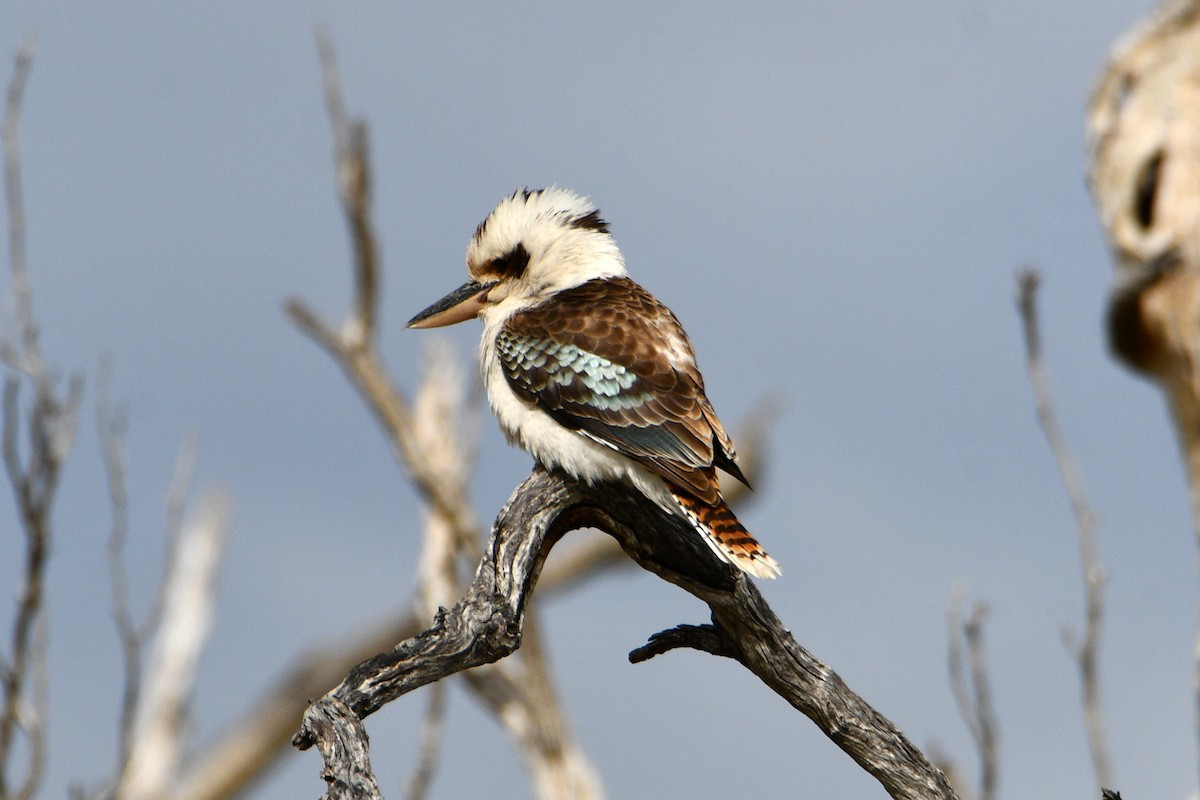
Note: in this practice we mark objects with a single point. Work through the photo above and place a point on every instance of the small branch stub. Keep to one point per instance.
(706, 638)
(340, 734)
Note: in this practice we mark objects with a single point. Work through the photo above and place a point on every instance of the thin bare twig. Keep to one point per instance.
(112, 429)
(353, 178)
(23, 304)
(51, 431)
(1086, 651)
(972, 690)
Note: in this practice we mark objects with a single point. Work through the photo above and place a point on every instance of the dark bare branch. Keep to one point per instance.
(34, 479)
(486, 624)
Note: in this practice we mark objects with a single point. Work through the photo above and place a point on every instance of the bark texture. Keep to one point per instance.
(486, 625)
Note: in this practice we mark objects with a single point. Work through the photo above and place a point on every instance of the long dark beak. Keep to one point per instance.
(463, 303)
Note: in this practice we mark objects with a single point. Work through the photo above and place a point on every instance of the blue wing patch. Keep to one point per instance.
(535, 364)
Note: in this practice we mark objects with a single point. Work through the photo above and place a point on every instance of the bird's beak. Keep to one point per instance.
(463, 303)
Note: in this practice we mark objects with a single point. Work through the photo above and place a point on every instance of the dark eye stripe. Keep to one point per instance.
(512, 264)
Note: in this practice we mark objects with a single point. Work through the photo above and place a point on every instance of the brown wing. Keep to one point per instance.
(607, 359)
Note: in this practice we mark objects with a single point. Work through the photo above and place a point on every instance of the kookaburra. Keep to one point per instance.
(587, 371)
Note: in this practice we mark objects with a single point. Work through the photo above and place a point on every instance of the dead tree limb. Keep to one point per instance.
(486, 625)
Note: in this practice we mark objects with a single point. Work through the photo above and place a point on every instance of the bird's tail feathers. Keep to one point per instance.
(726, 536)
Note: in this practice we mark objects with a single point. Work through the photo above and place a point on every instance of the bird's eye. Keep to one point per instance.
(512, 264)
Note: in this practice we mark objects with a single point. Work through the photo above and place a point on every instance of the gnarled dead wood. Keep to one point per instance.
(486, 625)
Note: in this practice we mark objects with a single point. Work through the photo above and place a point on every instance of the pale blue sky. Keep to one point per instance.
(833, 197)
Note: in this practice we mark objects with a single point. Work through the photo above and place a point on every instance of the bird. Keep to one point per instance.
(589, 372)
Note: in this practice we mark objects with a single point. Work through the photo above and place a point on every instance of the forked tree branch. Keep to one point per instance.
(486, 625)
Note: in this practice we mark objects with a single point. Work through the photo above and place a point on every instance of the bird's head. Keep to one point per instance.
(532, 246)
